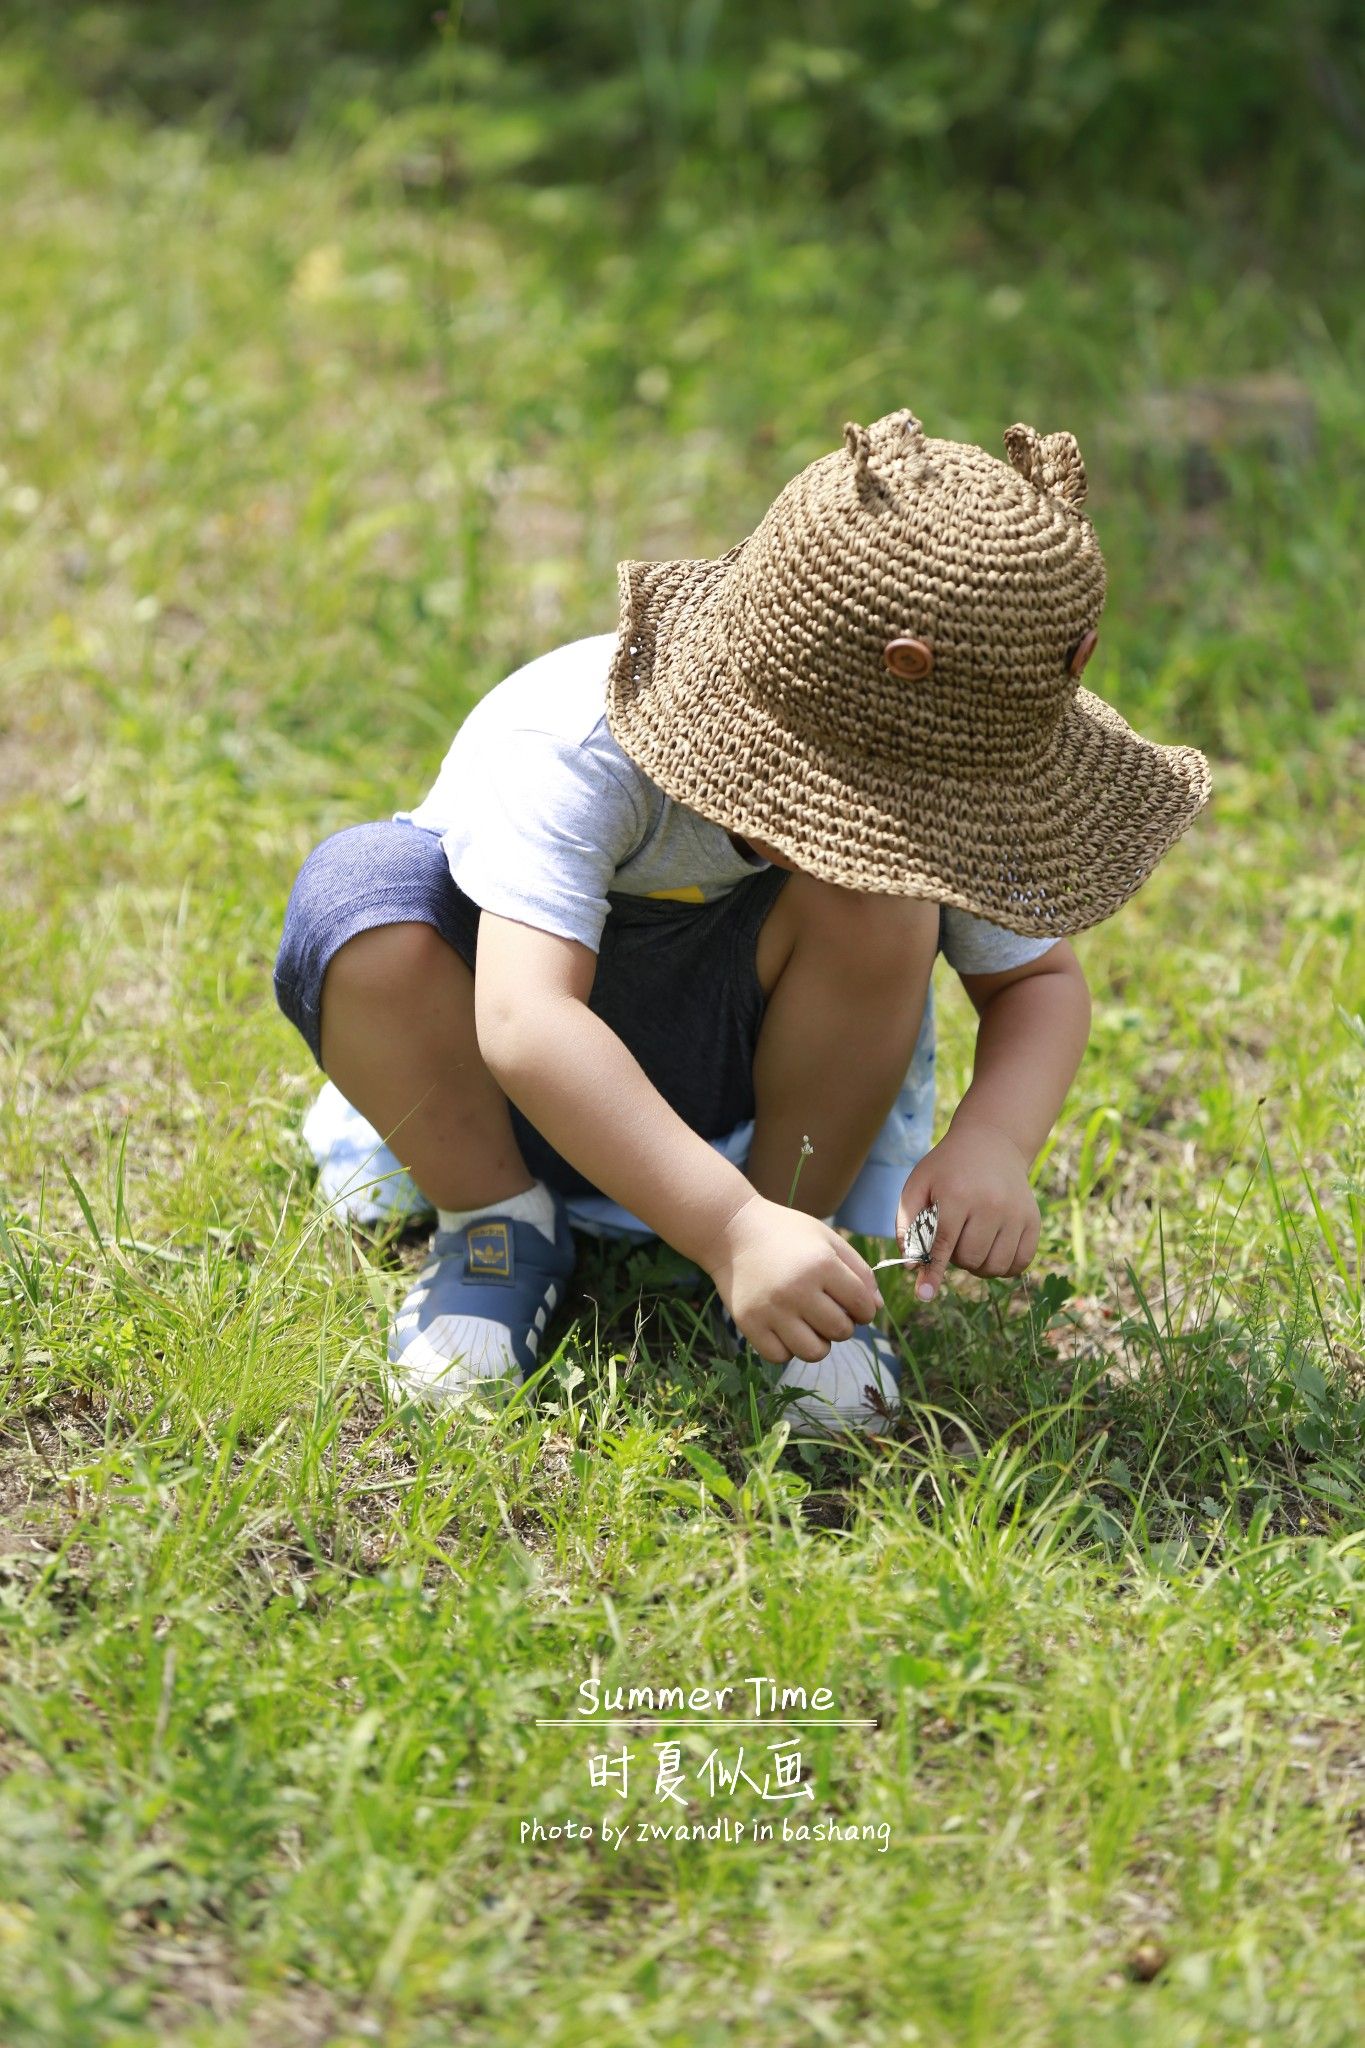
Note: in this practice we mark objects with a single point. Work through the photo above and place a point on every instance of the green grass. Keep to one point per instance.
(294, 468)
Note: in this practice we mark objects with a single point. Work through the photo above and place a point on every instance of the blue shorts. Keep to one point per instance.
(676, 982)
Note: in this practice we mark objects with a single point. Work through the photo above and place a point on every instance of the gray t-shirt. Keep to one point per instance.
(541, 814)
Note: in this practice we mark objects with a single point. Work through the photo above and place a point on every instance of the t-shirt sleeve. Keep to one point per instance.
(545, 824)
(972, 945)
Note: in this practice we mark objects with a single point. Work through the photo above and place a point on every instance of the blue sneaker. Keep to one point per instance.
(855, 1386)
(473, 1321)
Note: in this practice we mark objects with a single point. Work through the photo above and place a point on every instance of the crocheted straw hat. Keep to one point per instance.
(881, 682)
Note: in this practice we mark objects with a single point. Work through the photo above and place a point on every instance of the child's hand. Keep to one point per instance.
(988, 1220)
(791, 1283)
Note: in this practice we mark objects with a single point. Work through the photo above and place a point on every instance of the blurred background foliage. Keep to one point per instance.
(844, 95)
(716, 230)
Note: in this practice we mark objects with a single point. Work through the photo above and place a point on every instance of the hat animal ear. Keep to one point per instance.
(908, 424)
(858, 442)
(1050, 462)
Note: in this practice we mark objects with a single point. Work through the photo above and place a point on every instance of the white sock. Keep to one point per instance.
(536, 1206)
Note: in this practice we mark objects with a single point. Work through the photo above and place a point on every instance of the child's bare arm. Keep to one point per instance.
(790, 1282)
(1035, 1021)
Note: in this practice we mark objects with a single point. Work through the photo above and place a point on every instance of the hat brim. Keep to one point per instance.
(1044, 852)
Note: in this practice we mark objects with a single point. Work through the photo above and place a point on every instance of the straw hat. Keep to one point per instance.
(882, 683)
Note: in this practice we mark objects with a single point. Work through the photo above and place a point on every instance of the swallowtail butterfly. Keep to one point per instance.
(917, 1243)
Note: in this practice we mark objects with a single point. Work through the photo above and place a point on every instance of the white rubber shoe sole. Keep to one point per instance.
(854, 1389)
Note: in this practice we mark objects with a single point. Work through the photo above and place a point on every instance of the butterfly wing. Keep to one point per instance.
(917, 1242)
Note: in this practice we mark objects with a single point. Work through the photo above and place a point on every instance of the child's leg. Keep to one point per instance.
(372, 971)
(398, 1039)
(846, 976)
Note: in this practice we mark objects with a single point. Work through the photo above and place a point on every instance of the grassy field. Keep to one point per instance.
(294, 465)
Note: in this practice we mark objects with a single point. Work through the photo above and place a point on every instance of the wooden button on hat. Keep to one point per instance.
(909, 658)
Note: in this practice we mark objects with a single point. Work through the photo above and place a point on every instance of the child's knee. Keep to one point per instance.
(386, 963)
(887, 942)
